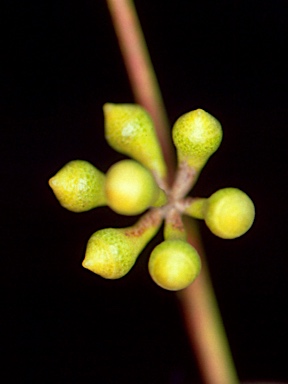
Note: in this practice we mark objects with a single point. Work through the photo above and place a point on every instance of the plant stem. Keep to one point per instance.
(140, 71)
(204, 323)
(201, 313)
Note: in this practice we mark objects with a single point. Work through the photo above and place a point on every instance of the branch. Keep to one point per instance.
(140, 72)
(201, 313)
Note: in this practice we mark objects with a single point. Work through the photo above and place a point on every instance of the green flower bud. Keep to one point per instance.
(79, 186)
(112, 252)
(130, 188)
(196, 135)
(174, 264)
(229, 213)
(129, 130)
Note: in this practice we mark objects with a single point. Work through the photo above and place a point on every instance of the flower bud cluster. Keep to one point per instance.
(139, 185)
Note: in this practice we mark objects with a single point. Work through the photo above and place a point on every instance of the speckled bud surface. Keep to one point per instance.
(112, 252)
(229, 213)
(174, 264)
(196, 135)
(79, 186)
(109, 254)
(129, 130)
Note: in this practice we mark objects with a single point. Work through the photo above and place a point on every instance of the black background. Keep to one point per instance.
(60, 63)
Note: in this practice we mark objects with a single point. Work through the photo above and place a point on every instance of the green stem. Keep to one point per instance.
(201, 312)
(195, 207)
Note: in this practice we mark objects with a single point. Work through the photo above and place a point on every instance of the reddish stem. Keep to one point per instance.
(140, 70)
(201, 313)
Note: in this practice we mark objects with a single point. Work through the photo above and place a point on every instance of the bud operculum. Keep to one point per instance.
(131, 189)
(196, 135)
(130, 130)
(79, 186)
(174, 264)
(229, 213)
(112, 252)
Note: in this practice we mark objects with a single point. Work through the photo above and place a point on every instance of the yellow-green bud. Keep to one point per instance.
(130, 188)
(112, 252)
(174, 264)
(79, 186)
(229, 213)
(129, 130)
(196, 135)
